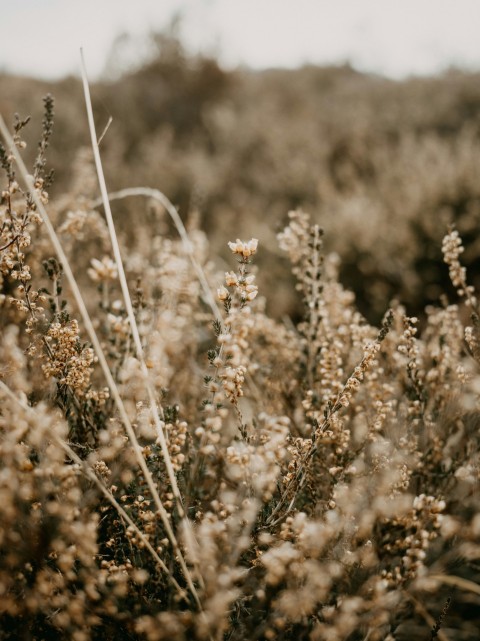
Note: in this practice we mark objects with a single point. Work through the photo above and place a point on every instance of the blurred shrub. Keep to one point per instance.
(384, 165)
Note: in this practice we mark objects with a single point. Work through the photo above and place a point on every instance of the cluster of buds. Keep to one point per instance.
(409, 346)
(102, 470)
(177, 437)
(42, 194)
(103, 271)
(244, 285)
(353, 382)
(445, 347)
(232, 382)
(73, 223)
(409, 536)
(473, 342)
(67, 360)
(100, 397)
(383, 410)
(118, 325)
(231, 359)
(210, 431)
(370, 353)
(294, 238)
(298, 451)
(22, 273)
(452, 248)
(259, 462)
(245, 250)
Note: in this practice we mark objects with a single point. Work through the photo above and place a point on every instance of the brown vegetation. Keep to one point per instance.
(238, 474)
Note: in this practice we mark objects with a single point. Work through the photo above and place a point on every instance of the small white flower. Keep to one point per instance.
(231, 279)
(244, 249)
(222, 293)
(102, 270)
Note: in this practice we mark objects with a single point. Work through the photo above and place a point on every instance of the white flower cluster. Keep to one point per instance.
(245, 250)
(259, 463)
(64, 360)
(245, 286)
(102, 271)
(452, 248)
(232, 381)
(233, 357)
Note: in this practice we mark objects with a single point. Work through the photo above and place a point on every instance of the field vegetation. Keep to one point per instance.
(252, 414)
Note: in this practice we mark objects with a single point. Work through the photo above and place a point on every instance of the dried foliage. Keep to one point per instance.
(383, 166)
(325, 473)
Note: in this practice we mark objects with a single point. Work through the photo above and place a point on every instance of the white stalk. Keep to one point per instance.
(27, 178)
(156, 194)
(155, 407)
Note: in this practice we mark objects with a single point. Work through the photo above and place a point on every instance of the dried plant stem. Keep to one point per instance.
(90, 474)
(99, 352)
(155, 407)
(300, 475)
(314, 316)
(423, 612)
(457, 581)
(298, 479)
(157, 195)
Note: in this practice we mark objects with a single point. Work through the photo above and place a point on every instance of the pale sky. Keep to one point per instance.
(392, 37)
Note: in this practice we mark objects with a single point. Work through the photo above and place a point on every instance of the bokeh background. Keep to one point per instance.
(365, 113)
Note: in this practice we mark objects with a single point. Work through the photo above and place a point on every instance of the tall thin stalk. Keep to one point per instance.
(28, 180)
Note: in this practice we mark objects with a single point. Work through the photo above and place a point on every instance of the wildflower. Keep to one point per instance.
(104, 270)
(222, 293)
(452, 248)
(244, 249)
(231, 279)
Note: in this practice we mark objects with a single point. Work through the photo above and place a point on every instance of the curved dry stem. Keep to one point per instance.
(457, 581)
(156, 194)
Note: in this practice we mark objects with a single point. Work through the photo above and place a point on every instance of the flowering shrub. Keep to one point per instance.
(238, 477)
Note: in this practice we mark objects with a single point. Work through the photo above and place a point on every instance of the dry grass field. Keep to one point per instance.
(241, 401)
